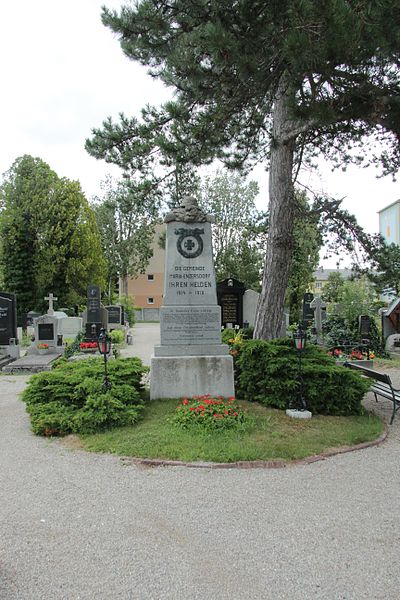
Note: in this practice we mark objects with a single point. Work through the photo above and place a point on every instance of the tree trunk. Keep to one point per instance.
(281, 216)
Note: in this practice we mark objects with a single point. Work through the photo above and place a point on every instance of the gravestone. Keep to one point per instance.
(47, 330)
(95, 313)
(250, 303)
(319, 308)
(190, 359)
(364, 327)
(230, 298)
(308, 312)
(50, 298)
(69, 327)
(116, 317)
(8, 325)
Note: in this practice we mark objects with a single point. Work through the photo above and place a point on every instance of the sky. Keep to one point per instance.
(63, 73)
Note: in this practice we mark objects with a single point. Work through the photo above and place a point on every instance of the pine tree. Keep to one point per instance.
(261, 80)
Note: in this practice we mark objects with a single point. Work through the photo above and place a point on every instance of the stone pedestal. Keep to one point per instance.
(178, 376)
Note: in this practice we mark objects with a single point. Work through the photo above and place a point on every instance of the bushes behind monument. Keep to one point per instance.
(267, 372)
(71, 399)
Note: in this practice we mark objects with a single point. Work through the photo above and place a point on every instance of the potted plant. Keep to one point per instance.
(42, 348)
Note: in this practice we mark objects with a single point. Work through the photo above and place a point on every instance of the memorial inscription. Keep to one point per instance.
(190, 359)
(8, 318)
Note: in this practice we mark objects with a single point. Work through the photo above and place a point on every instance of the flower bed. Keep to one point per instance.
(208, 412)
(357, 356)
(88, 347)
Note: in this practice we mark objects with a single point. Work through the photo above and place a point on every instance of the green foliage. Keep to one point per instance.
(239, 231)
(227, 335)
(333, 288)
(387, 268)
(256, 82)
(338, 331)
(269, 374)
(73, 347)
(126, 220)
(71, 399)
(209, 414)
(129, 309)
(271, 436)
(117, 336)
(307, 240)
(357, 297)
(49, 237)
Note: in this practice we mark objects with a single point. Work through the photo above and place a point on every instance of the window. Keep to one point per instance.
(150, 300)
(318, 285)
(150, 277)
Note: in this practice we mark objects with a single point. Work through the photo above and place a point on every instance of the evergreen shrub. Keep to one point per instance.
(117, 336)
(267, 372)
(71, 399)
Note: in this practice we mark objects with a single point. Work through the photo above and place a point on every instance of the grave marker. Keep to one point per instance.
(318, 306)
(190, 359)
(50, 298)
(8, 318)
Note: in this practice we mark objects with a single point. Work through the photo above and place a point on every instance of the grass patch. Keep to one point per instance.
(272, 435)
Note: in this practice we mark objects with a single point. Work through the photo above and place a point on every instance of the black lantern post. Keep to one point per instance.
(104, 347)
(299, 338)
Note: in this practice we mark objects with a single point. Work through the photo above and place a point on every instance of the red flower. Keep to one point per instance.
(185, 401)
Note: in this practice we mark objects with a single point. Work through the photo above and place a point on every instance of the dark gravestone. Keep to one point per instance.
(308, 312)
(364, 323)
(45, 331)
(114, 314)
(93, 304)
(8, 318)
(94, 312)
(230, 298)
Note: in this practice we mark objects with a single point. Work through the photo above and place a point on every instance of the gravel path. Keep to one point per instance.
(75, 525)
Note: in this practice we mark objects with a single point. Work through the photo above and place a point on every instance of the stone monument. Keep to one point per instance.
(8, 326)
(95, 317)
(47, 331)
(190, 359)
(230, 298)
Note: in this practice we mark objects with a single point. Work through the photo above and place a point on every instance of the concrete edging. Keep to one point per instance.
(254, 464)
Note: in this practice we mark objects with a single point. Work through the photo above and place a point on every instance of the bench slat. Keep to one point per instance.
(383, 386)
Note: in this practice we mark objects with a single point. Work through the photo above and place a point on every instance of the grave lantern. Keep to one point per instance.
(299, 338)
(104, 347)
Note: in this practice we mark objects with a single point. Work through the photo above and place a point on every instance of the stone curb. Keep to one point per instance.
(253, 464)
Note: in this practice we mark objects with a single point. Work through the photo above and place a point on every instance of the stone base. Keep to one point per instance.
(298, 414)
(178, 376)
(34, 351)
(192, 350)
(12, 351)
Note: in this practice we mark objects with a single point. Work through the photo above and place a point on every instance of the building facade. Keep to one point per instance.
(147, 289)
(321, 276)
(389, 223)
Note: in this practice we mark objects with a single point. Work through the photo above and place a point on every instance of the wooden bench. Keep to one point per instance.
(382, 385)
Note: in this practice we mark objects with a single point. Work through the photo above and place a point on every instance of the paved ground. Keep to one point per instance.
(83, 526)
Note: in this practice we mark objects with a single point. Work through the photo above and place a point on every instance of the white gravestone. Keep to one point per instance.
(250, 303)
(69, 327)
(190, 359)
(47, 330)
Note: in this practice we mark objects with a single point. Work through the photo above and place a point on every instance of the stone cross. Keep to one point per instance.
(50, 298)
(317, 304)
